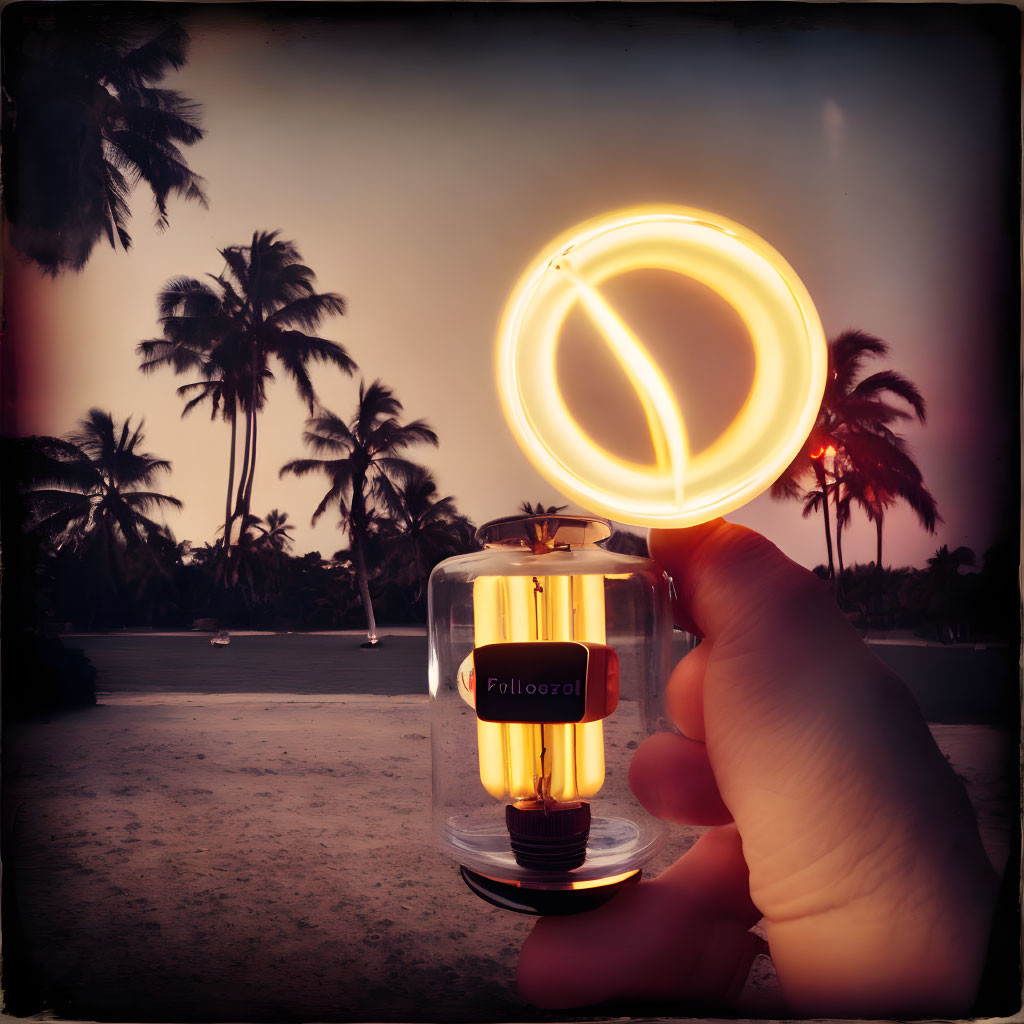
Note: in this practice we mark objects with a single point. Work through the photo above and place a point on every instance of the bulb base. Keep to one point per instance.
(551, 839)
(521, 899)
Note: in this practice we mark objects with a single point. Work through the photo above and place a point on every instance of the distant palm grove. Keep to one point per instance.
(86, 122)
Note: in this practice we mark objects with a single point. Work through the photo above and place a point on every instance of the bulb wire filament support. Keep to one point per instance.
(681, 487)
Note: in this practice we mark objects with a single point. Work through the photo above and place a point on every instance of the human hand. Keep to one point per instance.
(816, 765)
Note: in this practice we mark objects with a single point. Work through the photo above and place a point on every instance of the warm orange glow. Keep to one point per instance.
(818, 454)
(682, 488)
(610, 880)
(592, 883)
(488, 621)
(521, 760)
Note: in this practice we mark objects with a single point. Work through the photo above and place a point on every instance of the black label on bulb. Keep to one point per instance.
(539, 681)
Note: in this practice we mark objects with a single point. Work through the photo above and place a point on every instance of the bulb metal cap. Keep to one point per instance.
(550, 839)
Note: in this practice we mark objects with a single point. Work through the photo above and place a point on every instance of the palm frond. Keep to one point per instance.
(151, 60)
(307, 311)
(394, 436)
(150, 499)
(895, 384)
(295, 366)
(160, 165)
(847, 352)
(376, 402)
(303, 467)
(117, 191)
(304, 347)
(186, 296)
(812, 503)
(156, 122)
(58, 524)
(328, 432)
(335, 493)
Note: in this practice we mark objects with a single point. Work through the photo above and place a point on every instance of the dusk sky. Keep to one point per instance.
(419, 159)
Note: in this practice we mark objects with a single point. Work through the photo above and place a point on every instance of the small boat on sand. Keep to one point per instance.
(221, 639)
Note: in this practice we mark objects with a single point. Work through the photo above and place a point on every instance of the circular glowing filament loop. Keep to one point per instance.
(680, 488)
(671, 450)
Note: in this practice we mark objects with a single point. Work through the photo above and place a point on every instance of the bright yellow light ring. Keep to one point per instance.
(681, 488)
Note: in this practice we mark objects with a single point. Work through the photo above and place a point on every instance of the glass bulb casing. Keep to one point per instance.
(547, 661)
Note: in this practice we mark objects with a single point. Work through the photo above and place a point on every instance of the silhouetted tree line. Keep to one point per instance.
(951, 600)
(87, 554)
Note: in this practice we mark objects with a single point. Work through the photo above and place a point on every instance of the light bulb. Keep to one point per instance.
(531, 641)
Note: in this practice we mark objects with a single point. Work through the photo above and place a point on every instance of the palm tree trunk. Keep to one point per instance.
(421, 572)
(356, 532)
(231, 480)
(364, 586)
(823, 484)
(245, 496)
(839, 531)
(245, 463)
(878, 535)
(252, 470)
(839, 548)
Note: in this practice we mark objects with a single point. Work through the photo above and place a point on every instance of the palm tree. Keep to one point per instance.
(261, 306)
(198, 338)
(259, 563)
(90, 493)
(883, 472)
(425, 521)
(84, 122)
(272, 292)
(363, 451)
(852, 408)
(94, 485)
(274, 532)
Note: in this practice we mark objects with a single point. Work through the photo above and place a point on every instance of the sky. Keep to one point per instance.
(419, 158)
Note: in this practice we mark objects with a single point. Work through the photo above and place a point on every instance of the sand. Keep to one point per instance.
(181, 856)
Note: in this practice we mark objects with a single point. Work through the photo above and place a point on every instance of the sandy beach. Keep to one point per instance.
(267, 856)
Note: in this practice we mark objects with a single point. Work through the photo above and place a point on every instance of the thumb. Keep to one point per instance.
(729, 579)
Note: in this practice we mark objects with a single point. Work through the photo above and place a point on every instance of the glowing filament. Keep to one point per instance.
(668, 432)
(552, 763)
(682, 487)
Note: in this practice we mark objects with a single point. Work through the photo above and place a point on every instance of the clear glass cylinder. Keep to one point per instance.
(548, 657)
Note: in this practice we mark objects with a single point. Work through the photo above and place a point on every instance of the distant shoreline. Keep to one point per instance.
(954, 684)
(894, 638)
(383, 632)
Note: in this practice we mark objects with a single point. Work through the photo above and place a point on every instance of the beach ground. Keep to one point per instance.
(187, 856)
